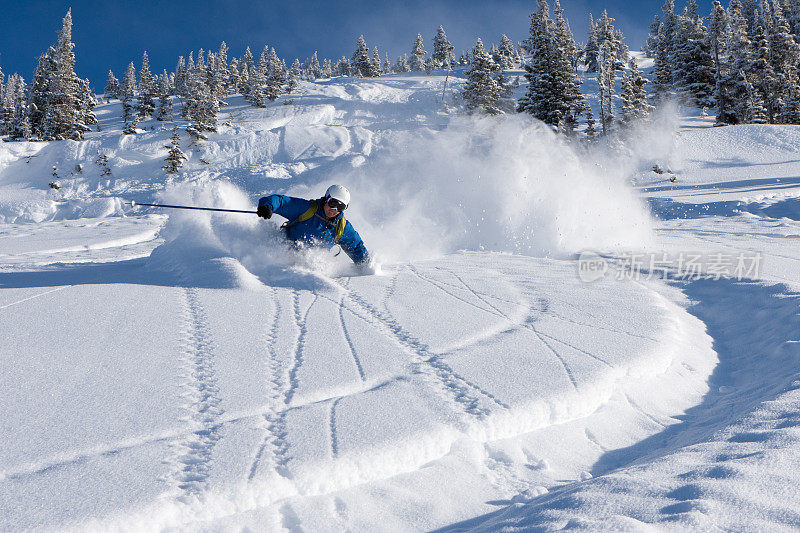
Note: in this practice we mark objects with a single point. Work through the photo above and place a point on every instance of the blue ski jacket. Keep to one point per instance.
(316, 230)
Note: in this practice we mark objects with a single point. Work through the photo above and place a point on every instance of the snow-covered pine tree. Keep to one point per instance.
(88, 101)
(292, 77)
(234, 76)
(662, 84)
(716, 40)
(590, 131)
(180, 77)
(38, 101)
(127, 91)
(693, 64)
(634, 97)
(566, 89)
(201, 105)
(785, 55)
(387, 66)
(221, 82)
(481, 92)
(164, 102)
(505, 100)
(762, 77)
(360, 62)
(343, 67)
(7, 104)
(442, 56)
(112, 87)
(376, 62)
(651, 45)
(755, 112)
(401, 65)
(256, 78)
(790, 113)
(20, 124)
(749, 12)
(590, 50)
(64, 105)
(312, 68)
(276, 76)
(147, 89)
(537, 100)
(327, 68)
(606, 74)
(506, 52)
(175, 156)
(732, 92)
(604, 32)
(418, 55)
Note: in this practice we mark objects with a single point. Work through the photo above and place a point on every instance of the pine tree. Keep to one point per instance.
(651, 45)
(88, 101)
(662, 84)
(481, 92)
(387, 66)
(180, 77)
(418, 55)
(112, 87)
(716, 39)
(376, 62)
(343, 67)
(443, 57)
(147, 89)
(313, 69)
(506, 52)
(201, 105)
(327, 68)
(539, 71)
(20, 124)
(175, 156)
(293, 76)
(276, 76)
(762, 76)
(127, 93)
(401, 65)
(63, 85)
(590, 131)
(634, 96)
(553, 93)
(8, 104)
(606, 73)
(361, 62)
(164, 101)
(732, 92)
(38, 101)
(693, 63)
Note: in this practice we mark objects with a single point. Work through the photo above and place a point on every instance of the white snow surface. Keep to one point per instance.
(183, 370)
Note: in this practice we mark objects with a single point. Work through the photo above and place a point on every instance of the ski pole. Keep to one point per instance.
(134, 204)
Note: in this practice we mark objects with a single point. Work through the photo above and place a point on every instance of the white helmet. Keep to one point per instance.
(338, 192)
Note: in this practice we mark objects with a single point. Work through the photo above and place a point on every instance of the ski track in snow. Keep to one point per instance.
(301, 321)
(202, 401)
(274, 421)
(470, 396)
(350, 344)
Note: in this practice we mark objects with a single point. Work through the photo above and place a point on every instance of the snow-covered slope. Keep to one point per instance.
(173, 369)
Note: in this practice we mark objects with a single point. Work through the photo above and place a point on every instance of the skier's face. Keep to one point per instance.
(330, 212)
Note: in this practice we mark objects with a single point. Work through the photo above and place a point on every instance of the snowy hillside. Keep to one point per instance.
(180, 369)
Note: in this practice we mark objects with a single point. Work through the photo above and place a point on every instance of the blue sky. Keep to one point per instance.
(112, 33)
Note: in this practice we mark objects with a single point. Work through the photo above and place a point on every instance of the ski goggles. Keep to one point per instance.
(336, 204)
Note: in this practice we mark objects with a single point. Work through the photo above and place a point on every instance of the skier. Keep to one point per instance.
(308, 225)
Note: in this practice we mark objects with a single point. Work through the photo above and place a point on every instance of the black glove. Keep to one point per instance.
(264, 211)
